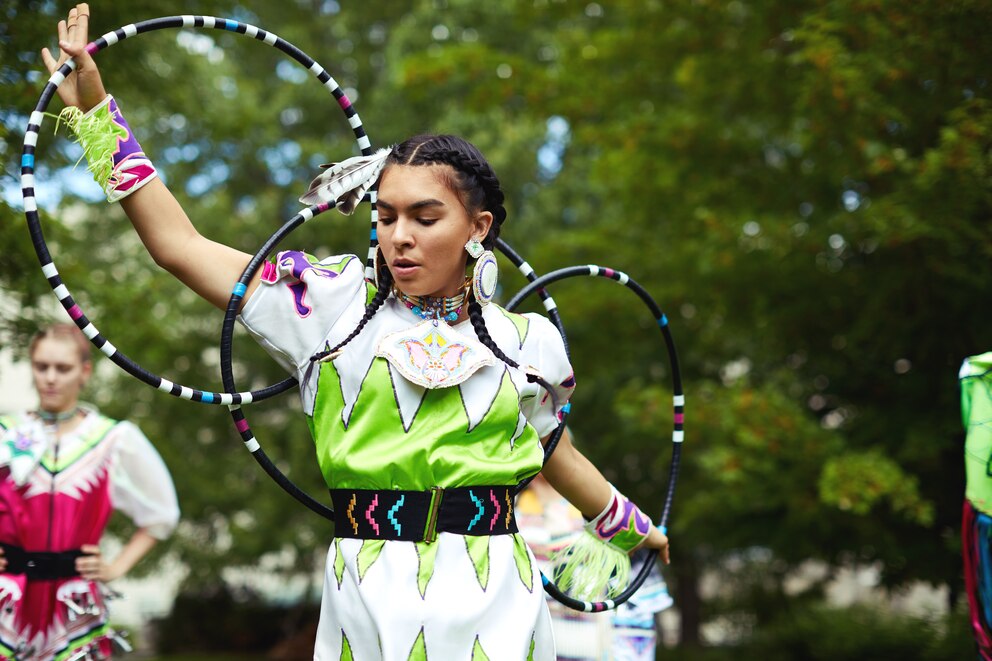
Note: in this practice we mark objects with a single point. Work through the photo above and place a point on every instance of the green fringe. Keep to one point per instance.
(590, 569)
(98, 135)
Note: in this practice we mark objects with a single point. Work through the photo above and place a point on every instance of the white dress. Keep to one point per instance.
(463, 596)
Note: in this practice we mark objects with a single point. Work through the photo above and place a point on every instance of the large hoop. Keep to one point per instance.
(28, 185)
(678, 417)
(231, 397)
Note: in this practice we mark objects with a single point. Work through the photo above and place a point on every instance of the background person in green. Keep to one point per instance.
(976, 526)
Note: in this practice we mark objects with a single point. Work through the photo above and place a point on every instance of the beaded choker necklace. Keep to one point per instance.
(436, 308)
(59, 416)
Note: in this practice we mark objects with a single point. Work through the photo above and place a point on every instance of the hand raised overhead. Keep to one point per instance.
(83, 88)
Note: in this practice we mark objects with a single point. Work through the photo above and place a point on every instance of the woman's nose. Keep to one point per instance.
(402, 234)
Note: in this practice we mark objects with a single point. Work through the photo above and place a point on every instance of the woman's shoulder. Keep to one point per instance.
(528, 327)
(296, 263)
(534, 331)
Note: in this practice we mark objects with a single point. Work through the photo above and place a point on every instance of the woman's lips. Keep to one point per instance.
(404, 269)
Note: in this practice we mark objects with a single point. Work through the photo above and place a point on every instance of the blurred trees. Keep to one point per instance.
(804, 187)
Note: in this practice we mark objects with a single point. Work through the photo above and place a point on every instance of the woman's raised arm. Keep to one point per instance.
(207, 267)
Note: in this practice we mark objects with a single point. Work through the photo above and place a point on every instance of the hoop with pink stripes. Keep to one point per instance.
(29, 183)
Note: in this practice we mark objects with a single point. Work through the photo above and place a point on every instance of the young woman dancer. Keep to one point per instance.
(426, 403)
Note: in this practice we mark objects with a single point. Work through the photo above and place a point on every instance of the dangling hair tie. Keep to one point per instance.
(533, 375)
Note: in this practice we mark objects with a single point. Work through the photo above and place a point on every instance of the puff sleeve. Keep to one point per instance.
(299, 300)
(141, 486)
(544, 350)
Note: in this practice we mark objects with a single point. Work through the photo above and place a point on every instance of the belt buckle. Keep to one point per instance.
(433, 509)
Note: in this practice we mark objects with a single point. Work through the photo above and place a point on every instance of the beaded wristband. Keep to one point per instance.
(596, 564)
(621, 524)
(116, 160)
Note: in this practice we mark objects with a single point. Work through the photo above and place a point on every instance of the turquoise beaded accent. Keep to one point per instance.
(447, 309)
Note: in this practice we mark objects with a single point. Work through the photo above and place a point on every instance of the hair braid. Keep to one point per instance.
(381, 294)
(479, 324)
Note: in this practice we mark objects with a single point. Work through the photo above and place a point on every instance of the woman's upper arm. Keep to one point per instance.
(207, 267)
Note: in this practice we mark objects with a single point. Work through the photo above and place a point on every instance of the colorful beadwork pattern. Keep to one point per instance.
(433, 355)
(621, 524)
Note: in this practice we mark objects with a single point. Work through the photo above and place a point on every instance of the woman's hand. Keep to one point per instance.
(84, 88)
(659, 541)
(3, 561)
(91, 566)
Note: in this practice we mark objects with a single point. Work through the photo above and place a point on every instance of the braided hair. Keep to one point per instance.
(479, 188)
(472, 178)
(475, 182)
(385, 280)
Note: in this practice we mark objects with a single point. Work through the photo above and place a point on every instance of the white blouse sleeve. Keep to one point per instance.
(140, 484)
(298, 301)
(544, 349)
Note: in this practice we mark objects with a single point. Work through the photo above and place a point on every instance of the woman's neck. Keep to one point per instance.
(55, 417)
(451, 309)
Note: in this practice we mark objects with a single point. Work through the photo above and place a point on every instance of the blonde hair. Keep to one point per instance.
(62, 331)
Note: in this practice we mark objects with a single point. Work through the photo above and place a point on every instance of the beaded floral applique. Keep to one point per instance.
(433, 355)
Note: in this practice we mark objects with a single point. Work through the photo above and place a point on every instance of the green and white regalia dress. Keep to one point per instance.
(377, 431)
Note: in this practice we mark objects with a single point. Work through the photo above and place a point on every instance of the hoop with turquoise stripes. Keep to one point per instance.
(28, 186)
(538, 284)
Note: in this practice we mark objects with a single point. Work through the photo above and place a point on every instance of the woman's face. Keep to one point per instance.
(59, 373)
(423, 228)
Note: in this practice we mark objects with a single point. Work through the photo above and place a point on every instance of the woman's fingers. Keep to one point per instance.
(90, 564)
(50, 63)
(83, 25)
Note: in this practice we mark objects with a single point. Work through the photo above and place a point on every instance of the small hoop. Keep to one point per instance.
(678, 415)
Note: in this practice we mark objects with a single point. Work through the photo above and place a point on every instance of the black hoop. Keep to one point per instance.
(31, 207)
(234, 399)
(678, 401)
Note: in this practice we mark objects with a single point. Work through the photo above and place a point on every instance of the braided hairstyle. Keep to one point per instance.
(479, 189)
(473, 179)
(385, 280)
(476, 184)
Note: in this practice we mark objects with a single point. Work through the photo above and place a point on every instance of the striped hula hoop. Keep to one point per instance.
(678, 415)
(48, 267)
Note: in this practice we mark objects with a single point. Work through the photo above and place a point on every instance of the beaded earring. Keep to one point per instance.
(485, 275)
(474, 248)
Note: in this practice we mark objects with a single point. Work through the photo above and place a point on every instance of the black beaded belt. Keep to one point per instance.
(40, 565)
(418, 516)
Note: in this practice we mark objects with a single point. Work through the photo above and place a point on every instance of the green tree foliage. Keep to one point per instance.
(804, 187)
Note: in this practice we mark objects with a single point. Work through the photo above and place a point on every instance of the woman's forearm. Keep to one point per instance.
(208, 268)
(137, 547)
(577, 479)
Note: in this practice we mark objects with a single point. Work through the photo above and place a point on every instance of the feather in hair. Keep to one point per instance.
(346, 183)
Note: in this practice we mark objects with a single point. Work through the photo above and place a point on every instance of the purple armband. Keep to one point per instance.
(115, 158)
(621, 523)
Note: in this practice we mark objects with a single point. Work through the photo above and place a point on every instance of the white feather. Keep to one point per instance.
(346, 183)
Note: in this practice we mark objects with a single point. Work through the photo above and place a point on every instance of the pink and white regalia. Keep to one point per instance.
(57, 494)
